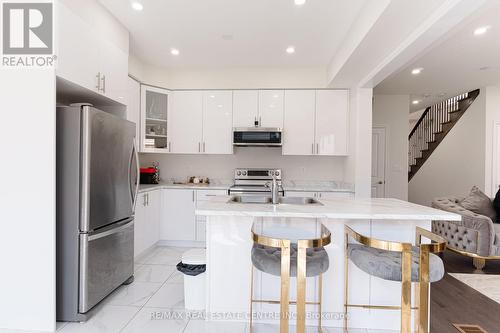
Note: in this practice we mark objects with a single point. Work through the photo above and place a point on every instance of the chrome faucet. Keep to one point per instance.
(274, 187)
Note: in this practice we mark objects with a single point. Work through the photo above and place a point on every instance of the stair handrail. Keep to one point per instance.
(419, 121)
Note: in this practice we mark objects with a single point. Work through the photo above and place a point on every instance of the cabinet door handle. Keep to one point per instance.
(168, 146)
(312, 148)
(260, 121)
(203, 146)
(98, 85)
(193, 195)
(103, 84)
(317, 149)
(147, 201)
(144, 200)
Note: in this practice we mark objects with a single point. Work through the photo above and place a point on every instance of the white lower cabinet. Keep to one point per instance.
(178, 221)
(147, 221)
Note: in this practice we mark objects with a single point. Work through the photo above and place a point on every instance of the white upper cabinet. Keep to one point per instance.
(77, 62)
(298, 128)
(86, 57)
(263, 108)
(316, 122)
(155, 116)
(271, 108)
(217, 122)
(332, 119)
(186, 122)
(133, 102)
(245, 108)
(113, 70)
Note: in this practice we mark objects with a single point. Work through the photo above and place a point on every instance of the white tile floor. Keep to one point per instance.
(158, 288)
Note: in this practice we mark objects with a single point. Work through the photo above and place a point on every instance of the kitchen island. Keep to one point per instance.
(229, 245)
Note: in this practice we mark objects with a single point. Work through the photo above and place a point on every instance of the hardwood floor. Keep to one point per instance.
(454, 302)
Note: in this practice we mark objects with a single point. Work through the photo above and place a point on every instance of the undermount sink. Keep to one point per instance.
(298, 201)
(268, 200)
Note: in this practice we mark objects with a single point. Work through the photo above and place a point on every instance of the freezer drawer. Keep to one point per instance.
(106, 261)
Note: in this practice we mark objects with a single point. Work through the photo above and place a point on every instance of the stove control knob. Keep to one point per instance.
(238, 173)
(276, 173)
(244, 173)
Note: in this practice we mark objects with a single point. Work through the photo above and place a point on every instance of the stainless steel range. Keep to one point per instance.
(255, 182)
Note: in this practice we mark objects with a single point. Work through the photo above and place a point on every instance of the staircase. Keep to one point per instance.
(433, 126)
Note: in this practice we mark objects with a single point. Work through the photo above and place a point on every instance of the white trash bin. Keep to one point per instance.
(194, 286)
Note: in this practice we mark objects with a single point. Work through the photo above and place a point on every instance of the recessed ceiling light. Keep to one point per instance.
(137, 6)
(300, 2)
(417, 71)
(174, 51)
(481, 30)
(290, 50)
(415, 102)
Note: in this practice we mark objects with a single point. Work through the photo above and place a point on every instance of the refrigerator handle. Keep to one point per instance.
(135, 155)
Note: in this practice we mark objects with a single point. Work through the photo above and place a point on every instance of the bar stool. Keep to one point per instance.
(286, 258)
(398, 262)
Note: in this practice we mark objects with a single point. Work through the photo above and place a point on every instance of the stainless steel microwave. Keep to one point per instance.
(257, 137)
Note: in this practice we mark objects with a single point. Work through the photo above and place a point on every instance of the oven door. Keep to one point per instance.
(257, 137)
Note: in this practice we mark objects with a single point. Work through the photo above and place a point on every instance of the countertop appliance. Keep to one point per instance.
(257, 136)
(252, 182)
(97, 184)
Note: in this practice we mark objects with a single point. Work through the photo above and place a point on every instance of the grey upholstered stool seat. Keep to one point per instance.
(268, 260)
(387, 264)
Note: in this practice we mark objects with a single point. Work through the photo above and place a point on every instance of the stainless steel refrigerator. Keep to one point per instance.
(97, 183)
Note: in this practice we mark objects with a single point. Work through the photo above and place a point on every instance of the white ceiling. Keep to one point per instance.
(259, 31)
(459, 63)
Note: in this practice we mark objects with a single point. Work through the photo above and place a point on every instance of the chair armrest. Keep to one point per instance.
(474, 234)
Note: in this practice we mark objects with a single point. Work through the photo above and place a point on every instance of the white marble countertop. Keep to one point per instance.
(341, 208)
(170, 185)
(306, 186)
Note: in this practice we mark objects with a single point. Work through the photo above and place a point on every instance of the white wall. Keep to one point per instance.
(229, 78)
(358, 164)
(391, 112)
(492, 158)
(458, 162)
(222, 167)
(27, 199)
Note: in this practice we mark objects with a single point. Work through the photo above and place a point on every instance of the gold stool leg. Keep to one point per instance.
(406, 291)
(423, 306)
(251, 300)
(346, 281)
(320, 301)
(285, 286)
(301, 287)
(416, 296)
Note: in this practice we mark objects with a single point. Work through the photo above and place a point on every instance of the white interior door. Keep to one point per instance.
(495, 176)
(378, 162)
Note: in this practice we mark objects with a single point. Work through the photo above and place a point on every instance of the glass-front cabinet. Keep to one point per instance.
(154, 119)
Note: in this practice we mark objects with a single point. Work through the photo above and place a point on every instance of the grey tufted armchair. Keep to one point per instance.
(475, 236)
